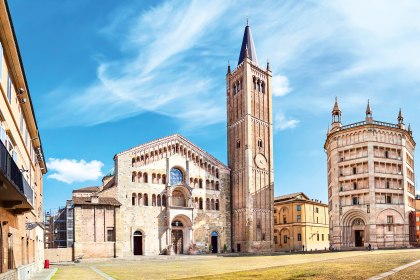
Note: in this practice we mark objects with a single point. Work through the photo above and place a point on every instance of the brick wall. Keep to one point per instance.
(59, 255)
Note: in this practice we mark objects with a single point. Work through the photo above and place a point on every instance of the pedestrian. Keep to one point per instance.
(369, 247)
(303, 248)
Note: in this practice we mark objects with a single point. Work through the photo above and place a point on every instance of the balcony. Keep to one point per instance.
(15, 193)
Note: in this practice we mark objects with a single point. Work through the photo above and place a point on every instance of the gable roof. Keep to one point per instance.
(101, 201)
(86, 190)
(291, 196)
(179, 139)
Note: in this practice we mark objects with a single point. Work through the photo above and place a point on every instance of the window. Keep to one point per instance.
(388, 199)
(299, 236)
(354, 186)
(389, 219)
(316, 210)
(317, 237)
(322, 237)
(3, 135)
(9, 89)
(110, 234)
(285, 239)
(355, 200)
(176, 176)
(260, 143)
(354, 170)
(387, 184)
(317, 220)
(284, 219)
(238, 144)
(298, 218)
(297, 207)
(386, 154)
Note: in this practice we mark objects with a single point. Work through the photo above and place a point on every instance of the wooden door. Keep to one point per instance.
(177, 241)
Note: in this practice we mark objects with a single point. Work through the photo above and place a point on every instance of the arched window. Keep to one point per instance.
(163, 179)
(153, 200)
(146, 200)
(133, 162)
(153, 178)
(217, 186)
(263, 87)
(140, 177)
(145, 177)
(133, 176)
(200, 183)
(208, 204)
(259, 85)
(133, 199)
(140, 200)
(217, 173)
(254, 80)
(217, 205)
(200, 203)
(164, 200)
(177, 223)
(176, 176)
(159, 200)
(212, 204)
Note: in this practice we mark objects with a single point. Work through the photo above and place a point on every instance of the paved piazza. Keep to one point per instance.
(177, 267)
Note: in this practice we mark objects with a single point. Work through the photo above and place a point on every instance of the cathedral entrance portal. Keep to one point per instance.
(138, 243)
(177, 241)
(359, 237)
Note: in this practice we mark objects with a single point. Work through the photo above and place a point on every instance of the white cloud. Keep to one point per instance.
(280, 85)
(153, 73)
(282, 123)
(70, 170)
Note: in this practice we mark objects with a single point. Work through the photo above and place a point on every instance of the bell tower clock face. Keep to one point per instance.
(261, 161)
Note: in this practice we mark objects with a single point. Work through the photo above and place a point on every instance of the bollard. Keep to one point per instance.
(47, 264)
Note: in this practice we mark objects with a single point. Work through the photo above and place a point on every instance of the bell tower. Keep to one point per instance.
(250, 150)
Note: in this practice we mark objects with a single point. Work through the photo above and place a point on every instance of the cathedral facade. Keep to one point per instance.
(169, 196)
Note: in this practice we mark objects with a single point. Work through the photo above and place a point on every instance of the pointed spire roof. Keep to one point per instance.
(400, 117)
(368, 110)
(409, 127)
(336, 107)
(247, 48)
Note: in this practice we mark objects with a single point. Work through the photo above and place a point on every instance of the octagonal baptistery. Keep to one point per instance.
(371, 195)
(175, 199)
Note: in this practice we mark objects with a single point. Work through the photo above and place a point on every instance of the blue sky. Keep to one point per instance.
(108, 75)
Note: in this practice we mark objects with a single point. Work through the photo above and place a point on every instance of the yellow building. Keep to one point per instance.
(21, 164)
(300, 223)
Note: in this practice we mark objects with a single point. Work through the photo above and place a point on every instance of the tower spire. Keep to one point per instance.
(336, 116)
(247, 48)
(369, 118)
(400, 117)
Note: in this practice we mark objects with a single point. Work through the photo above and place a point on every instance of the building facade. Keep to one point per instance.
(300, 223)
(370, 182)
(21, 163)
(175, 199)
(250, 150)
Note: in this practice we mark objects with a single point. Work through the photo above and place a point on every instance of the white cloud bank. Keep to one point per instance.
(70, 170)
(282, 123)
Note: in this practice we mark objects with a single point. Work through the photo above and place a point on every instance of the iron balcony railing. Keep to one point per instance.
(10, 169)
